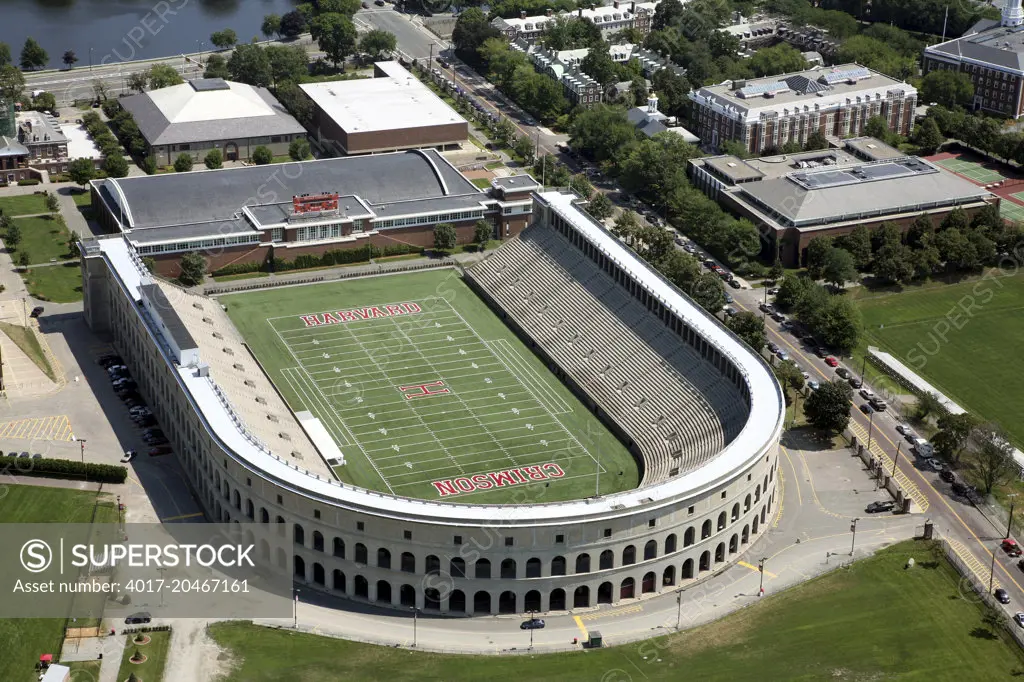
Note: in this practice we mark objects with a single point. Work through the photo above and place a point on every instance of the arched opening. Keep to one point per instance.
(432, 564)
(583, 563)
(649, 583)
(531, 602)
(670, 544)
(407, 595)
(318, 574)
(745, 538)
(705, 530)
(764, 484)
(482, 602)
(250, 510)
(757, 493)
(457, 602)
(280, 525)
(236, 500)
(457, 567)
(264, 550)
(604, 593)
(507, 602)
(650, 550)
(720, 553)
(282, 559)
(383, 558)
(746, 503)
(668, 577)
(361, 553)
(687, 572)
(300, 567)
(298, 534)
(557, 602)
(734, 544)
(431, 598)
(606, 560)
(581, 597)
(383, 591)
(338, 580)
(722, 521)
(735, 512)
(264, 516)
(362, 587)
(558, 565)
(483, 569)
(627, 588)
(339, 548)
(508, 569)
(689, 537)
(753, 525)
(533, 568)
(408, 562)
(318, 541)
(763, 511)
(705, 561)
(628, 555)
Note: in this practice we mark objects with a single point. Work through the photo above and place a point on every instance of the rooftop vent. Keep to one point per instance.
(218, 335)
(261, 400)
(239, 366)
(250, 383)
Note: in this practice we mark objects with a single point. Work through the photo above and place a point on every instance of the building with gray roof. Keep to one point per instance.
(211, 113)
(795, 198)
(255, 214)
(991, 54)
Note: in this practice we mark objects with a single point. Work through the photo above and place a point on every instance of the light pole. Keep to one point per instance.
(896, 460)
(760, 567)
(871, 424)
(1009, 521)
(679, 609)
(90, 59)
(531, 628)
(992, 572)
(81, 443)
(295, 609)
(796, 406)
(415, 618)
(853, 540)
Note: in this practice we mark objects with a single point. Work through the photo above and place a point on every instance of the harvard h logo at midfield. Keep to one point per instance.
(423, 390)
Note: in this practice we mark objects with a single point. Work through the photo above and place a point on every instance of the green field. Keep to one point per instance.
(970, 355)
(873, 621)
(58, 283)
(443, 393)
(28, 342)
(152, 670)
(23, 204)
(43, 238)
(23, 640)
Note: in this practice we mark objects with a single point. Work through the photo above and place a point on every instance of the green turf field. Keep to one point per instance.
(23, 640)
(972, 356)
(873, 621)
(974, 170)
(440, 394)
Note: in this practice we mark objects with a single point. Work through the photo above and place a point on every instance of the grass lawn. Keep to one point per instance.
(23, 640)
(23, 204)
(84, 670)
(482, 183)
(874, 621)
(81, 198)
(241, 275)
(57, 283)
(963, 338)
(28, 342)
(42, 238)
(492, 405)
(156, 657)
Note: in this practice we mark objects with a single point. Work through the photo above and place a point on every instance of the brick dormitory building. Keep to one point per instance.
(257, 214)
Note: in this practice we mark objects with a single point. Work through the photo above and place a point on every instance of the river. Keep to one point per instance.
(123, 30)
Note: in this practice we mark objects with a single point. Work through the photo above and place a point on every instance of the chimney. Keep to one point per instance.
(579, 13)
(548, 12)
(632, 8)
(522, 14)
(615, 4)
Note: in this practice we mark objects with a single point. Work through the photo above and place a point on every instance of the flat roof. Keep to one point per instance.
(872, 149)
(168, 315)
(394, 101)
(733, 168)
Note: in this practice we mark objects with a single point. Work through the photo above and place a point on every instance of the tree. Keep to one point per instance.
(213, 160)
(183, 163)
(163, 76)
(296, 102)
(293, 24)
(523, 147)
(445, 237)
(598, 65)
(138, 81)
(828, 408)
(24, 260)
(482, 233)
(73, 240)
(600, 206)
(52, 203)
(193, 269)
(287, 63)
(99, 89)
(149, 165)
(858, 243)
(708, 292)
(927, 136)
(667, 13)
(954, 432)
(271, 25)
(250, 64)
(216, 67)
(878, 128)
(839, 323)
(992, 461)
(298, 150)
(750, 328)
(894, 264)
(335, 34)
(955, 219)
(149, 263)
(816, 140)
(839, 267)
(261, 156)
(81, 171)
(930, 404)
(12, 83)
(570, 33)
(12, 237)
(817, 251)
(947, 87)
(224, 39)
(5, 54)
(115, 165)
(601, 132)
(69, 58)
(471, 30)
(378, 44)
(44, 101)
(781, 58)
(790, 376)
(33, 56)
(776, 270)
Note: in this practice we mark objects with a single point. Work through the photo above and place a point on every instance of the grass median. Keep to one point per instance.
(26, 339)
(155, 651)
(60, 283)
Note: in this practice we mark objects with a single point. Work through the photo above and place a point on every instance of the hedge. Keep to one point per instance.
(153, 628)
(64, 468)
(238, 269)
(28, 183)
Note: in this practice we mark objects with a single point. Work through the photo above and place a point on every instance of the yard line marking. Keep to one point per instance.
(526, 374)
(299, 383)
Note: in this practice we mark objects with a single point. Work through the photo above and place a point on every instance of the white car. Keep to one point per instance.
(935, 464)
(1018, 618)
(867, 394)
(903, 428)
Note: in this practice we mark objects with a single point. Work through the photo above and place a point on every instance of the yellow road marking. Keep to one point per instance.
(37, 428)
(181, 516)
(973, 563)
(796, 482)
(617, 612)
(583, 629)
(754, 568)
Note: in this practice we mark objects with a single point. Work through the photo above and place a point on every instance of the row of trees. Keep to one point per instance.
(155, 77)
(831, 318)
(114, 162)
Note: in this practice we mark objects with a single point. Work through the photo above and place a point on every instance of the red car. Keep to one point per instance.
(162, 450)
(831, 361)
(1011, 547)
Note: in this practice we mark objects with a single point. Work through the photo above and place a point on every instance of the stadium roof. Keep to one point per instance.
(208, 109)
(393, 101)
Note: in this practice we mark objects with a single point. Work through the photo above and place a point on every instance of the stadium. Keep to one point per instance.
(555, 427)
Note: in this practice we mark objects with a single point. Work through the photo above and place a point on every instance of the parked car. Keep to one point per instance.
(37, 311)
(37, 455)
(1018, 618)
(921, 447)
(159, 450)
(110, 360)
(947, 476)
(855, 382)
(831, 361)
(777, 316)
(129, 455)
(843, 373)
(867, 409)
(867, 393)
(880, 506)
(140, 617)
(772, 347)
(782, 355)
(1010, 546)
(822, 352)
(935, 464)
(532, 624)
(773, 291)
(903, 428)
(813, 385)
(734, 283)
(879, 404)
(1001, 595)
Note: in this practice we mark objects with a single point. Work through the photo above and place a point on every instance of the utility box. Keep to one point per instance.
(595, 640)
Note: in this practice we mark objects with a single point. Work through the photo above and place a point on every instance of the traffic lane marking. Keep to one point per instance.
(581, 626)
(755, 569)
(617, 612)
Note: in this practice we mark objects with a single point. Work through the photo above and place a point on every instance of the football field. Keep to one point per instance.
(427, 394)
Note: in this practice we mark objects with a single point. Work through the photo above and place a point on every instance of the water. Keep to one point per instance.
(123, 30)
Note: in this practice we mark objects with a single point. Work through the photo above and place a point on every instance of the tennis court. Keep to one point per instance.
(1010, 210)
(972, 170)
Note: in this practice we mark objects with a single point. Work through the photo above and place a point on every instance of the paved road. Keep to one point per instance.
(414, 40)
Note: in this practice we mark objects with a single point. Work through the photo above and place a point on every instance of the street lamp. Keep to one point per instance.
(1009, 521)
(796, 404)
(679, 609)
(871, 423)
(295, 609)
(81, 443)
(90, 59)
(531, 628)
(896, 460)
(415, 618)
(760, 567)
(853, 529)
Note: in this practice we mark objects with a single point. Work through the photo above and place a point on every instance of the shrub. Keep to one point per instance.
(261, 156)
(28, 183)
(183, 163)
(64, 468)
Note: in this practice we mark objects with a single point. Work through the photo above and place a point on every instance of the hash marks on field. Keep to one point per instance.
(499, 412)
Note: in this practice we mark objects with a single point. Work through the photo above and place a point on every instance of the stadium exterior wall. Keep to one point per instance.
(373, 547)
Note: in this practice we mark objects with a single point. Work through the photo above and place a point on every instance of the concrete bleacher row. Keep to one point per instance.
(674, 405)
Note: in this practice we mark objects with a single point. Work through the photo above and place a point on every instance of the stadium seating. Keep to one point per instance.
(674, 405)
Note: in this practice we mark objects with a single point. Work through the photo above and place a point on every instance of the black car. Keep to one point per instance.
(843, 373)
(532, 624)
(140, 617)
(734, 283)
(866, 409)
(37, 311)
(1001, 595)
(947, 476)
(881, 506)
(772, 347)
(855, 382)
(110, 360)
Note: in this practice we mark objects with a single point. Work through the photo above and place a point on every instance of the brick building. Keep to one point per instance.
(257, 214)
(991, 54)
(766, 113)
